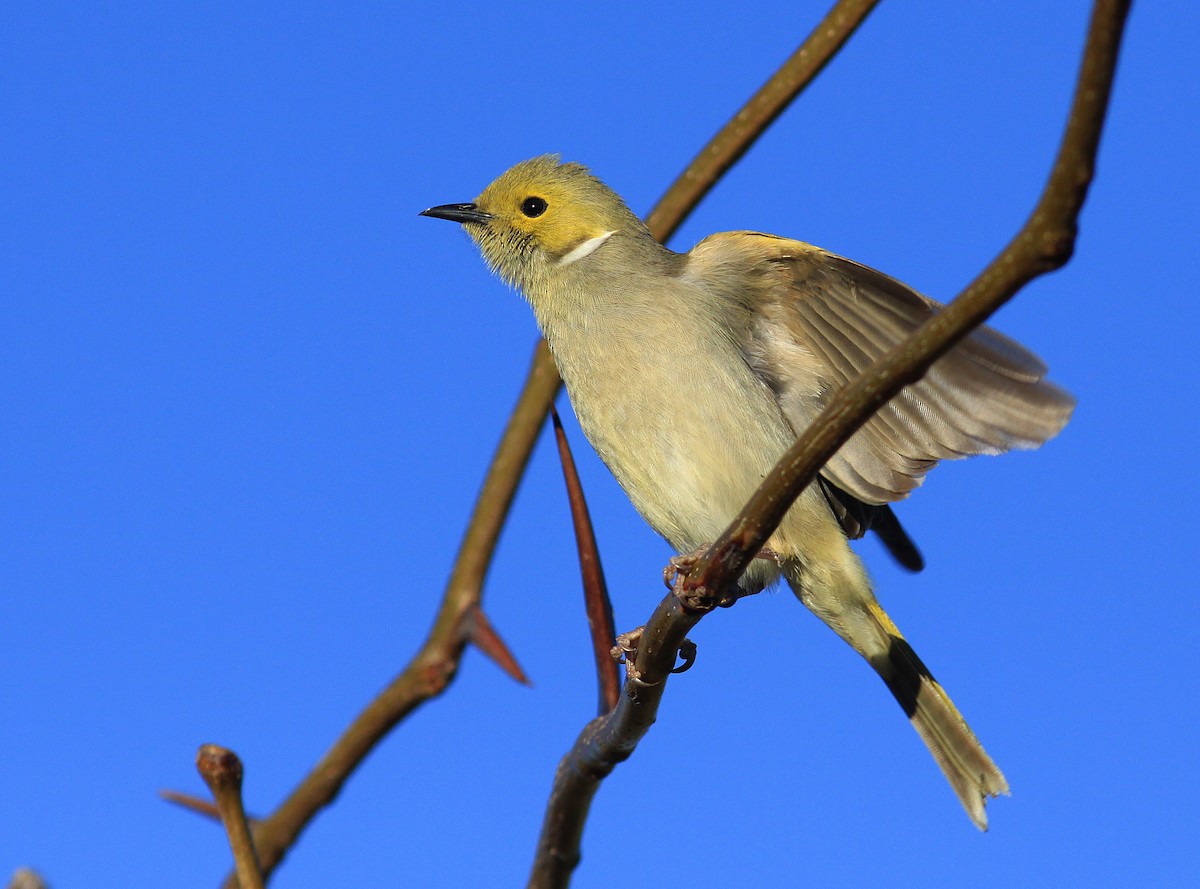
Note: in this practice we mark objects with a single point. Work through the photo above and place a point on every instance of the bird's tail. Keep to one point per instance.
(962, 758)
(851, 610)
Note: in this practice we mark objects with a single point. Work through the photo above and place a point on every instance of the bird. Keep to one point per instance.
(692, 373)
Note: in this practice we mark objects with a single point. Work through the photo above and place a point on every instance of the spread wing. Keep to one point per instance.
(820, 319)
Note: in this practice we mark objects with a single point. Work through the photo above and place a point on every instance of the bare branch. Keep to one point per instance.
(193, 804)
(222, 772)
(743, 129)
(435, 665)
(595, 591)
(607, 741)
(1043, 244)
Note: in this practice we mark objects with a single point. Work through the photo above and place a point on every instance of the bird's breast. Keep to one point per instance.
(663, 394)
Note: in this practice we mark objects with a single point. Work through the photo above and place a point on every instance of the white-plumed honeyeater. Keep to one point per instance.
(692, 373)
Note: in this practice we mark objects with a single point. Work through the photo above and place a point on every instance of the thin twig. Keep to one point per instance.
(222, 772)
(597, 605)
(436, 664)
(1043, 244)
(193, 804)
(744, 128)
(605, 742)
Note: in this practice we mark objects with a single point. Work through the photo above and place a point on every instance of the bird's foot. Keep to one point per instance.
(625, 651)
(770, 555)
(627, 644)
(678, 566)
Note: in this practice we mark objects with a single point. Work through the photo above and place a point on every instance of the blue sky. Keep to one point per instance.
(247, 396)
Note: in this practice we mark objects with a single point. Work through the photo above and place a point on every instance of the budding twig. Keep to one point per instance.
(222, 772)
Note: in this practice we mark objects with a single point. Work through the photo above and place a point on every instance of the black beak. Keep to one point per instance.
(457, 213)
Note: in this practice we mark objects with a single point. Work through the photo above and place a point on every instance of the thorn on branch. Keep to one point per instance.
(596, 603)
(483, 636)
(192, 804)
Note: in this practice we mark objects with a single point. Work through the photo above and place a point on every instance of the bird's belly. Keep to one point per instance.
(689, 438)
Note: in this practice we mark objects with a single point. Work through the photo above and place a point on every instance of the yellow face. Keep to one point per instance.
(537, 213)
(541, 217)
(555, 206)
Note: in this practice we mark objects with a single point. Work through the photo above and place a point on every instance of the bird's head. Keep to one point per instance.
(540, 218)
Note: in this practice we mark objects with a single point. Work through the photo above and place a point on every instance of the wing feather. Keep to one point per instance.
(821, 319)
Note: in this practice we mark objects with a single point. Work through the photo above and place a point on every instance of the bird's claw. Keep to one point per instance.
(627, 645)
(687, 651)
(678, 566)
(770, 555)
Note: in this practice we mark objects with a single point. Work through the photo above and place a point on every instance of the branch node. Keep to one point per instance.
(1058, 246)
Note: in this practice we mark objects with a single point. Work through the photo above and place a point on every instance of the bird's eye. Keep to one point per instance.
(533, 207)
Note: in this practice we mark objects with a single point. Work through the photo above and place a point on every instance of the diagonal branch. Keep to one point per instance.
(436, 664)
(735, 138)
(1043, 244)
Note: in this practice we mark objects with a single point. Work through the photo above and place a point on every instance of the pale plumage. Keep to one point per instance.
(820, 319)
(692, 373)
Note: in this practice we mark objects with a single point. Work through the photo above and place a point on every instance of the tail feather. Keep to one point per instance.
(966, 765)
(840, 595)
